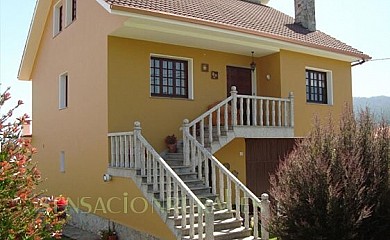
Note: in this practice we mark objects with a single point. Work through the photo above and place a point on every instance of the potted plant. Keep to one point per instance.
(171, 142)
(109, 234)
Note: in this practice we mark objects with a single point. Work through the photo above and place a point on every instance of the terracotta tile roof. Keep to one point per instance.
(240, 16)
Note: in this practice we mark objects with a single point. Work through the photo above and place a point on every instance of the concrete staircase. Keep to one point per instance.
(226, 225)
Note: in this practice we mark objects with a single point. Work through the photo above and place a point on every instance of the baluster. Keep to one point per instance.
(226, 125)
(238, 204)
(221, 186)
(267, 113)
(186, 143)
(121, 152)
(254, 114)
(279, 113)
(169, 190)
(143, 160)
(183, 209)
(229, 193)
(261, 113)
(285, 114)
(116, 152)
(193, 156)
(246, 211)
(149, 168)
(241, 111)
(127, 164)
(202, 132)
(199, 157)
(200, 223)
(213, 178)
(131, 151)
(211, 129)
(265, 214)
(112, 140)
(206, 171)
(161, 182)
(255, 221)
(219, 122)
(209, 219)
(175, 200)
(248, 112)
(291, 97)
(137, 144)
(233, 93)
(194, 130)
(155, 170)
(273, 113)
(192, 218)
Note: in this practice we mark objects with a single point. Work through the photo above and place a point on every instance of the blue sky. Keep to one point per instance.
(364, 25)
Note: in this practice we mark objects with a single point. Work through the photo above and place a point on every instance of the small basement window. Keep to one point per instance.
(63, 91)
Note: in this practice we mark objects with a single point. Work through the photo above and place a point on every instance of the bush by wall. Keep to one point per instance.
(335, 183)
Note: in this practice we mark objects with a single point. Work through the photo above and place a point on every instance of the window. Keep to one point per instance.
(63, 91)
(62, 161)
(169, 77)
(58, 15)
(318, 86)
(71, 10)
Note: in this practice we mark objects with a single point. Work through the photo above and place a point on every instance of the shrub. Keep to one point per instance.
(335, 183)
(23, 213)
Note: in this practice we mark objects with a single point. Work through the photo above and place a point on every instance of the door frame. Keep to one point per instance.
(253, 77)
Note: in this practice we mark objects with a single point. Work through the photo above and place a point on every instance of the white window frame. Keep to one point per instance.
(69, 12)
(56, 18)
(63, 91)
(62, 161)
(329, 84)
(190, 76)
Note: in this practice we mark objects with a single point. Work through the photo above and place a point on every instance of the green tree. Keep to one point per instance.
(335, 183)
(23, 213)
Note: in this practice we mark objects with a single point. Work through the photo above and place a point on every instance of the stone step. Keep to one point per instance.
(203, 198)
(172, 156)
(227, 234)
(183, 176)
(198, 191)
(218, 215)
(217, 206)
(177, 168)
(190, 183)
(219, 225)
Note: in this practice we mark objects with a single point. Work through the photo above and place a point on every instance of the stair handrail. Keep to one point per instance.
(263, 204)
(177, 181)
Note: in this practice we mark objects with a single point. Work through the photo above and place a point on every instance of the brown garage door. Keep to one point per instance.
(262, 159)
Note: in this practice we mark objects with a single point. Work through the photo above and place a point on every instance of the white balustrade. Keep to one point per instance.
(131, 150)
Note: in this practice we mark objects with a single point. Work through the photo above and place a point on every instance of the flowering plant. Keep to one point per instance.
(24, 214)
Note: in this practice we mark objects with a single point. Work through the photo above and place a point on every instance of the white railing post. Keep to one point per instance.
(209, 219)
(233, 93)
(137, 144)
(186, 143)
(291, 97)
(265, 215)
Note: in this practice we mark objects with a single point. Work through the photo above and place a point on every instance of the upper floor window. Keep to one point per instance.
(169, 77)
(318, 86)
(63, 91)
(71, 11)
(58, 18)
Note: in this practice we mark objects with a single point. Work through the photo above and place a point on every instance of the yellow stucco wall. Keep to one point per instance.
(81, 129)
(129, 97)
(109, 90)
(293, 66)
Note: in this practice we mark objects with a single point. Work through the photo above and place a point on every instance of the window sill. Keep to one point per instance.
(170, 98)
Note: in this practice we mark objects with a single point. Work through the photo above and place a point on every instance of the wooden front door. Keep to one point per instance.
(241, 78)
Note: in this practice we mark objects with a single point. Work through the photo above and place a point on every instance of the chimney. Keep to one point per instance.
(305, 14)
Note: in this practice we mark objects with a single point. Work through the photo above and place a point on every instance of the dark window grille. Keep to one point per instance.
(168, 77)
(316, 87)
(60, 16)
(74, 9)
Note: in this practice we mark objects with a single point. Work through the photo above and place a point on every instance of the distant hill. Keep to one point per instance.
(378, 105)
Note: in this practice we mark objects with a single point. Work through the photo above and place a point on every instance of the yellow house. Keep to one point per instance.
(234, 80)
